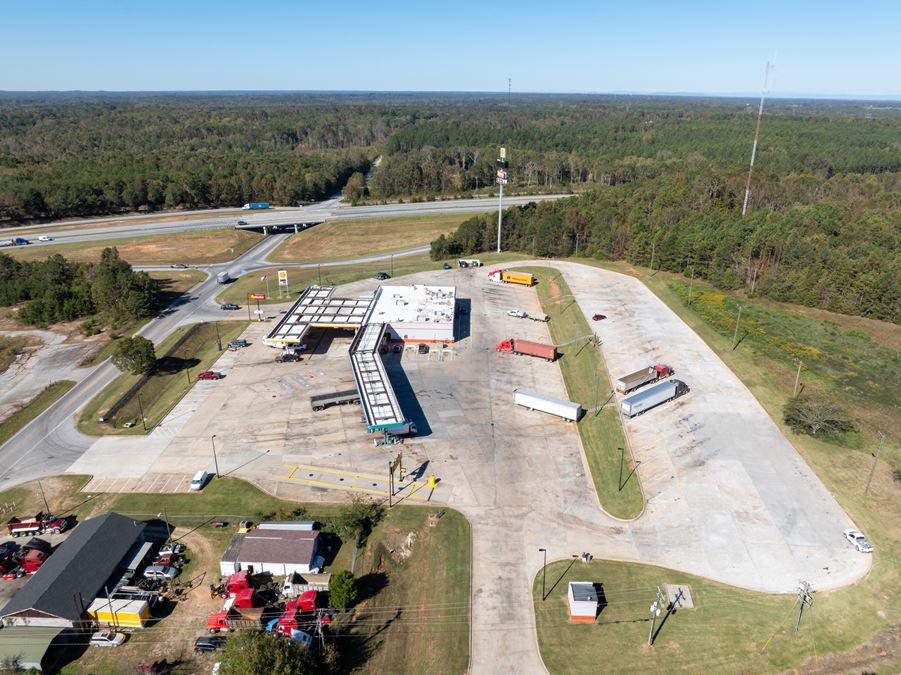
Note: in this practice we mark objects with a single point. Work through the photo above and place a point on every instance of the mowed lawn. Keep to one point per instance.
(729, 631)
(587, 383)
(342, 239)
(190, 248)
(172, 379)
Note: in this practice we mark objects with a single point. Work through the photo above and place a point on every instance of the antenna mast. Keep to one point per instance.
(766, 76)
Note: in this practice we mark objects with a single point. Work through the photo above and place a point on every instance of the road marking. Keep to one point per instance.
(335, 478)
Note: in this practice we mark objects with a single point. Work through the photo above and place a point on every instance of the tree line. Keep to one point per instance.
(57, 290)
(833, 244)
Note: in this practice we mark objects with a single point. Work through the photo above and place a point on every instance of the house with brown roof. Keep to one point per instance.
(279, 547)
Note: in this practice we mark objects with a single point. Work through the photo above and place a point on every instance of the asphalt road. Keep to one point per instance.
(63, 232)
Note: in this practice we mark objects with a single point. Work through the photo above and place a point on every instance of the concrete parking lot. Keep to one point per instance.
(727, 495)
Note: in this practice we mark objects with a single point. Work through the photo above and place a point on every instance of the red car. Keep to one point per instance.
(209, 375)
(599, 317)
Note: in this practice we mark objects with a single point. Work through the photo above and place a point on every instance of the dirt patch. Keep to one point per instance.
(881, 653)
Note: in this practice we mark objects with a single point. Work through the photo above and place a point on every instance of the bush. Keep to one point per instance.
(250, 652)
(356, 520)
(342, 590)
(811, 416)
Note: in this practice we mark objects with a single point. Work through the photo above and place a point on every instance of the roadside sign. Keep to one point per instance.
(259, 311)
(283, 278)
(257, 296)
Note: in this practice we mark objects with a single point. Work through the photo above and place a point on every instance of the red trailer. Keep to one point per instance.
(517, 346)
(39, 524)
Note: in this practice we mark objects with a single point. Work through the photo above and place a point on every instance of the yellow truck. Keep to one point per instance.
(120, 613)
(512, 277)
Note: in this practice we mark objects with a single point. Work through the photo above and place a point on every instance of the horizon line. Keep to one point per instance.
(660, 94)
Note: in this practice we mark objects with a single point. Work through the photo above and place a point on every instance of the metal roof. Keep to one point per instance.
(286, 546)
(377, 397)
(583, 591)
(316, 308)
(80, 566)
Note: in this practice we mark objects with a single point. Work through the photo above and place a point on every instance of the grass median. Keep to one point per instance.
(338, 239)
(191, 248)
(586, 381)
(157, 395)
(51, 393)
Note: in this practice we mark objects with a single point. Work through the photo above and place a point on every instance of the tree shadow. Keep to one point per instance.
(370, 585)
(331, 544)
(170, 365)
(358, 647)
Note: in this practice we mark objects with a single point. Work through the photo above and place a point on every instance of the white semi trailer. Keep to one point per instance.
(661, 393)
(553, 406)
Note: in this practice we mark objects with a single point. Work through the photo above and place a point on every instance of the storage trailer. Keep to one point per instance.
(645, 400)
(512, 277)
(120, 612)
(223, 278)
(568, 410)
(323, 401)
(253, 206)
(641, 377)
(527, 347)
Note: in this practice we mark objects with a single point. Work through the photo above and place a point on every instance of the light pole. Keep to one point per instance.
(215, 461)
(543, 572)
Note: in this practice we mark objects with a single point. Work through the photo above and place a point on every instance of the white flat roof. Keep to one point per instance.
(414, 304)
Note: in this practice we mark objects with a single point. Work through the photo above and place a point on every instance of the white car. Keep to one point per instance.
(106, 638)
(518, 313)
(44, 237)
(858, 541)
(160, 572)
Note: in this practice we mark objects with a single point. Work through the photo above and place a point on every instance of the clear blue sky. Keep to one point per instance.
(717, 47)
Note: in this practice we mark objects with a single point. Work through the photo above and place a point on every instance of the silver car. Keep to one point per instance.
(858, 541)
(160, 572)
(107, 638)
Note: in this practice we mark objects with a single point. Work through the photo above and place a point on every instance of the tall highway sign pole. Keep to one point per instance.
(501, 179)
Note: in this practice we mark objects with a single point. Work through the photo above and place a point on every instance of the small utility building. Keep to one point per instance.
(582, 600)
(278, 547)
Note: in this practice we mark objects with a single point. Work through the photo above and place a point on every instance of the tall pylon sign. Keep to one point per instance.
(501, 178)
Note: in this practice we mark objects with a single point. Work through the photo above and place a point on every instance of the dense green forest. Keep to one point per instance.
(833, 244)
(81, 155)
(56, 289)
(663, 178)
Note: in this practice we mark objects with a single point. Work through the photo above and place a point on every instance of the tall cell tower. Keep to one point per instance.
(766, 79)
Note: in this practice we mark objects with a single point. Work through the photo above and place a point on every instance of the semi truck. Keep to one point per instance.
(299, 613)
(568, 410)
(527, 347)
(323, 401)
(512, 277)
(15, 241)
(223, 278)
(39, 524)
(645, 400)
(254, 206)
(641, 377)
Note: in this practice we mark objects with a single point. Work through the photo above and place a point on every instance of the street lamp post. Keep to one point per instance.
(215, 461)
(543, 573)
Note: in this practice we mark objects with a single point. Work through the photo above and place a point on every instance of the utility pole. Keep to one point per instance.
(577, 245)
(735, 334)
(691, 284)
(46, 507)
(653, 251)
(766, 75)
(141, 408)
(797, 379)
(215, 460)
(543, 573)
(655, 612)
(805, 599)
(872, 468)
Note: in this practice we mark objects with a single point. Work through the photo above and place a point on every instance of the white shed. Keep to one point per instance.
(582, 598)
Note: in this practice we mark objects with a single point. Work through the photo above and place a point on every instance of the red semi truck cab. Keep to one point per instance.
(662, 371)
(39, 524)
(293, 615)
(32, 561)
(239, 581)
